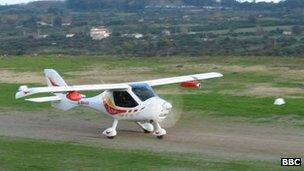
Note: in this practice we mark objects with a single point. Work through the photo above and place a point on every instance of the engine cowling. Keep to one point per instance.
(191, 84)
(74, 96)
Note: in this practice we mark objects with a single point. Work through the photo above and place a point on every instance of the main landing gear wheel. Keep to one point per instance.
(146, 131)
(110, 133)
(146, 127)
(160, 137)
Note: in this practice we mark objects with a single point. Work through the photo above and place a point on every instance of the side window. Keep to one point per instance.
(123, 99)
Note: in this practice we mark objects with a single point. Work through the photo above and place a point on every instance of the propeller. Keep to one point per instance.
(172, 96)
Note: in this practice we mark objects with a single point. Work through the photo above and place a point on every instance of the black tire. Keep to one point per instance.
(160, 137)
(146, 131)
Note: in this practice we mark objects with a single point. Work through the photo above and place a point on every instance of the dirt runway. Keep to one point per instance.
(202, 138)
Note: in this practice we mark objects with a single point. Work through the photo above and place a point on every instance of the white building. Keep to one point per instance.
(42, 23)
(287, 33)
(69, 35)
(138, 35)
(166, 32)
(41, 36)
(66, 24)
(98, 33)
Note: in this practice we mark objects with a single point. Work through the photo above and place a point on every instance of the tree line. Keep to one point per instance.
(141, 4)
(89, 5)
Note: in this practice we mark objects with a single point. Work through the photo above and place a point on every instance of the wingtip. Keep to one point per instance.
(19, 94)
(22, 91)
(217, 74)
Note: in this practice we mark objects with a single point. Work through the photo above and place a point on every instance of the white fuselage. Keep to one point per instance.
(154, 108)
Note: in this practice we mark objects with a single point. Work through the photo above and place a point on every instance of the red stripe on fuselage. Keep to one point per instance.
(111, 110)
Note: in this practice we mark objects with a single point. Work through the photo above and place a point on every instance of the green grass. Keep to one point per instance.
(227, 105)
(23, 154)
(7, 99)
(220, 104)
(214, 101)
(211, 101)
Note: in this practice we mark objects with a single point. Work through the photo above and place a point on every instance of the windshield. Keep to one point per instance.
(142, 91)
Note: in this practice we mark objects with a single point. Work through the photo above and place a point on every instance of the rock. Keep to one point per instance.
(279, 102)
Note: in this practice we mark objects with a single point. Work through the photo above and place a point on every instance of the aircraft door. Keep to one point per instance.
(124, 99)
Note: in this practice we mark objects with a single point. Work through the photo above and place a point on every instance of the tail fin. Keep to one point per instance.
(53, 78)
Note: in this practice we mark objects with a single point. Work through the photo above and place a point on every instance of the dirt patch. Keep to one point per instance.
(204, 138)
(281, 72)
(266, 90)
(7, 76)
(224, 68)
(252, 69)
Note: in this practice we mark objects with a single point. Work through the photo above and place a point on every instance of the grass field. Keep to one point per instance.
(244, 96)
(40, 155)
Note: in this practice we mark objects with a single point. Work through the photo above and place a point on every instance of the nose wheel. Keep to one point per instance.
(160, 137)
(153, 127)
(159, 132)
(146, 127)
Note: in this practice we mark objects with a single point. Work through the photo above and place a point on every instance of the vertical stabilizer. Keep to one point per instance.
(53, 78)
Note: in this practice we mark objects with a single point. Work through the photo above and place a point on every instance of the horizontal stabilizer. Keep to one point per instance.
(44, 99)
(25, 91)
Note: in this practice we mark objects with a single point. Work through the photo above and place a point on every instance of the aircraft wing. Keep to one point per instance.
(25, 91)
(180, 79)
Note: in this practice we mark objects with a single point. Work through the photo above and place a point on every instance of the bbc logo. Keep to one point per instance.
(290, 161)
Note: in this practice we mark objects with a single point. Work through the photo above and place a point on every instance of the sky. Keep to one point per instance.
(3, 2)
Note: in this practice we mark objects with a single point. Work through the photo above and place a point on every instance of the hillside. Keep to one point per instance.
(153, 28)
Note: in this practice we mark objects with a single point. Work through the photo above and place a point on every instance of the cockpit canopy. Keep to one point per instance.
(124, 98)
(142, 91)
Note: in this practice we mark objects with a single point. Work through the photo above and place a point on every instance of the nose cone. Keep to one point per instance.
(167, 106)
(158, 108)
(165, 109)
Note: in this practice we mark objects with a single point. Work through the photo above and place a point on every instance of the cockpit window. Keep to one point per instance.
(123, 99)
(142, 91)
